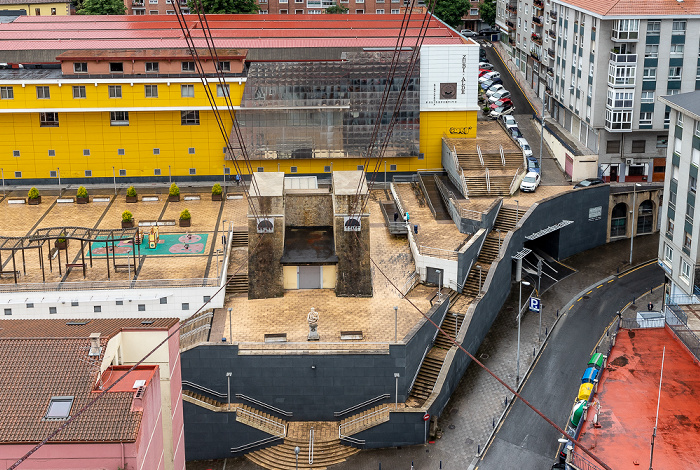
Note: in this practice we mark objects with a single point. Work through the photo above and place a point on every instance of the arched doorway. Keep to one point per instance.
(645, 217)
(618, 221)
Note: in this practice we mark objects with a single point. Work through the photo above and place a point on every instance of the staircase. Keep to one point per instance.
(508, 218)
(238, 284)
(433, 195)
(203, 401)
(365, 420)
(239, 239)
(260, 420)
(450, 325)
(426, 378)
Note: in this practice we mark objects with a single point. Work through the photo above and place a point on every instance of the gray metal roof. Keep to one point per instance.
(689, 102)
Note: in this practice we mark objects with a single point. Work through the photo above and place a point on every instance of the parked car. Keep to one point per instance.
(530, 182)
(498, 95)
(483, 72)
(468, 33)
(509, 121)
(493, 89)
(489, 76)
(588, 182)
(502, 102)
(485, 65)
(515, 132)
(490, 83)
(527, 151)
(498, 112)
(533, 165)
(488, 31)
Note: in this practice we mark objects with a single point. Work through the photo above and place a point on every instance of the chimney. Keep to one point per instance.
(95, 349)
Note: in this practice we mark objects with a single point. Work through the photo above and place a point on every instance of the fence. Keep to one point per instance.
(683, 333)
(580, 462)
(438, 252)
(102, 285)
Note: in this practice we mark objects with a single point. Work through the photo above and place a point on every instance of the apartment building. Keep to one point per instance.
(317, 7)
(678, 247)
(154, 7)
(601, 67)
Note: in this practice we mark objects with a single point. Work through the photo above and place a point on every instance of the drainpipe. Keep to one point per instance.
(123, 463)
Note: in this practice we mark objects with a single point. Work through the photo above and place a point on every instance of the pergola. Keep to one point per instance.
(40, 237)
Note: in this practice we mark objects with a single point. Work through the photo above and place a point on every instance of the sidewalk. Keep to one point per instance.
(479, 400)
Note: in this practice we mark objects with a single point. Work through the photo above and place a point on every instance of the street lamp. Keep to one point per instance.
(296, 452)
(520, 310)
(228, 379)
(396, 402)
(478, 266)
(439, 271)
(230, 328)
(517, 211)
(498, 231)
(396, 324)
(634, 212)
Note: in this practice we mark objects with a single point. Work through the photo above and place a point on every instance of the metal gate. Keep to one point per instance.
(309, 277)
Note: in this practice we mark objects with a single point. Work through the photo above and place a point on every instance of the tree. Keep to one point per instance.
(224, 6)
(487, 10)
(451, 11)
(337, 9)
(102, 7)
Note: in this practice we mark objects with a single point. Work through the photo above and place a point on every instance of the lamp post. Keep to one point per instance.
(230, 328)
(634, 213)
(498, 231)
(517, 211)
(439, 271)
(396, 401)
(114, 178)
(520, 310)
(228, 379)
(478, 266)
(396, 324)
(296, 453)
(58, 172)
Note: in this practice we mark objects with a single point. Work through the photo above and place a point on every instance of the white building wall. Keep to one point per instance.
(454, 65)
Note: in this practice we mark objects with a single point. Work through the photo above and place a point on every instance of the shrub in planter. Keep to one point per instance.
(82, 196)
(185, 218)
(33, 196)
(127, 219)
(174, 193)
(131, 195)
(61, 242)
(216, 192)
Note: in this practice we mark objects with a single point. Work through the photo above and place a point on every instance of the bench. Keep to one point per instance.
(52, 253)
(65, 200)
(149, 198)
(150, 223)
(117, 267)
(351, 335)
(17, 201)
(276, 338)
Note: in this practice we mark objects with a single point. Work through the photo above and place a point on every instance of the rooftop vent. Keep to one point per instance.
(95, 349)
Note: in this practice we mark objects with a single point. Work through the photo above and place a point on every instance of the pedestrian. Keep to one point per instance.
(408, 217)
(396, 216)
(238, 179)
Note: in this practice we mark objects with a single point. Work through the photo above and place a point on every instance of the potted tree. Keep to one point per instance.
(216, 192)
(61, 242)
(131, 195)
(127, 219)
(82, 196)
(185, 218)
(33, 197)
(174, 193)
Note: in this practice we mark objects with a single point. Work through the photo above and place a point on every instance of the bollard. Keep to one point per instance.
(506, 402)
(493, 422)
(618, 270)
(557, 313)
(533, 352)
(651, 291)
(633, 300)
(411, 464)
(545, 331)
(596, 348)
(478, 449)
(441, 465)
(380, 466)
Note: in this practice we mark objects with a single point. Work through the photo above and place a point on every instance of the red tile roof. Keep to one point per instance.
(41, 359)
(627, 8)
(627, 393)
(230, 31)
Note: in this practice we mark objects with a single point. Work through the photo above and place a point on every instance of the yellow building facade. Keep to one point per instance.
(40, 9)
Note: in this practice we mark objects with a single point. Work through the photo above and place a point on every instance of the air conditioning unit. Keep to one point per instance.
(629, 161)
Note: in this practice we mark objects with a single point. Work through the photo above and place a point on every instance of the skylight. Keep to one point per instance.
(59, 408)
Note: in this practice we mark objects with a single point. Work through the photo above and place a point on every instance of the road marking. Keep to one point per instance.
(579, 299)
(599, 286)
(517, 83)
(589, 291)
(571, 307)
(638, 267)
(611, 280)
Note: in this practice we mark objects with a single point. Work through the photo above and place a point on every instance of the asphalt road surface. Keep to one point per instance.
(525, 441)
(522, 105)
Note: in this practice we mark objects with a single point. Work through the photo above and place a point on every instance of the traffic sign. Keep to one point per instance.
(535, 304)
(426, 417)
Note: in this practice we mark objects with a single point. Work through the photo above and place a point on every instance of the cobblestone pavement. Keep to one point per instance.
(479, 400)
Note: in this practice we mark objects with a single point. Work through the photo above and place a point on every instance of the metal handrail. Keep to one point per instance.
(268, 421)
(408, 285)
(481, 158)
(360, 405)
(413, 382)
(437, 252)
(514, 178)
(196, 330)
(397, 200)
(359, 418)
(264, 405)
(425, 191)
(353, 440)
(200, 401)
(464, 186)
(461, 287)
(254, 444)
(503, 158)
(311, 446)
(204, 389)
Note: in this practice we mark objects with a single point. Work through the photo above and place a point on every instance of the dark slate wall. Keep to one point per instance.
(402, 429)
(464, 260)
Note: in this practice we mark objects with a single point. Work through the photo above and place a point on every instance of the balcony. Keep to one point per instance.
(535, 53)
(536, 38)
(137, 4)
(616, 58)
(552, 34)
(550, 53)
(513, 10)
(538, 4)
(625, 30)
(537, 20)
(553, 15)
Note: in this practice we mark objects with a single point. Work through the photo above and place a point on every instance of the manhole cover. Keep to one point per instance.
(633, 307)
(468, 441)
(484, 356)
(451, 426)
(586, 297)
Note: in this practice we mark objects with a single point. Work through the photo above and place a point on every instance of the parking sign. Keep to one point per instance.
(535, 304)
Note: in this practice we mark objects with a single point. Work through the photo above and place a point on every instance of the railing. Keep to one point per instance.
(264, 405)
(311, 446)
(204, 389)
(512, 183)
(683, 333)
(408, 285)
(481, 157)
(488, 181)
(677, 311)
(344, 426)
(464, 186)
(437, 252)
(460, 288)
(623, 58)
(413, 382)
(425, 192)
(642, 323)
(394, 227)
(397, 200)
(255, 444)
(279, 428)
(361, 405)
(503, 157)
(104, 285)
(194, 331)
(580, 462)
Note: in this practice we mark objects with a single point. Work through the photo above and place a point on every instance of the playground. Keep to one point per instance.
(153, 243)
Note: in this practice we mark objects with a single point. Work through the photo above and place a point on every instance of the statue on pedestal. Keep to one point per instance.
(312, 318)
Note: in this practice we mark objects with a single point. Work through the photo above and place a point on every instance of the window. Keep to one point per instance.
(15, 153)
(224, 66)
(8, 311)
(380, 12)
(685, 270)
(679, 120)
(227, 171)
(697, 128)
(392, 167)
(668, 254)
(647, 97)
(651, 50)
(395, 11)
(42, 93)
(59, 407)
(653, 28)
(638, 146)
(359, 12)
(88, 173)
(188, 67)
(169, 12)
(7, 93)
(52, 153)
(206, 298)
(190, 150)
(53, 174)
(293, 169)
(119, 302)
(156, 151)
(613, 146)
(52, 310)
(151, 91)
(687, 240)
(327, 169)
(678, 27)
(689, 211)
(360, 168)
(116, 67)
(48, 119)
(79, 92)
(154, 12)
(223, 91)
(677, 49)
(122, 172)
(193, 171)
(120, 151)
(187, 91)
(185, 306)
(667, 116)
(645, 118)
(80, 67)
(692, 184)
(115, 91)
(97, 309)
(283, 12)
(86, 152)
(670, 224)
(189, 118)
(156, 172)
(139, 11)
(119, 118)
(53, 11)
(30, 305)
(152, 67)
(261, 169)
(18, 174)
(142, 307)
(163, 300)
(649, 73)
(674, 73)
